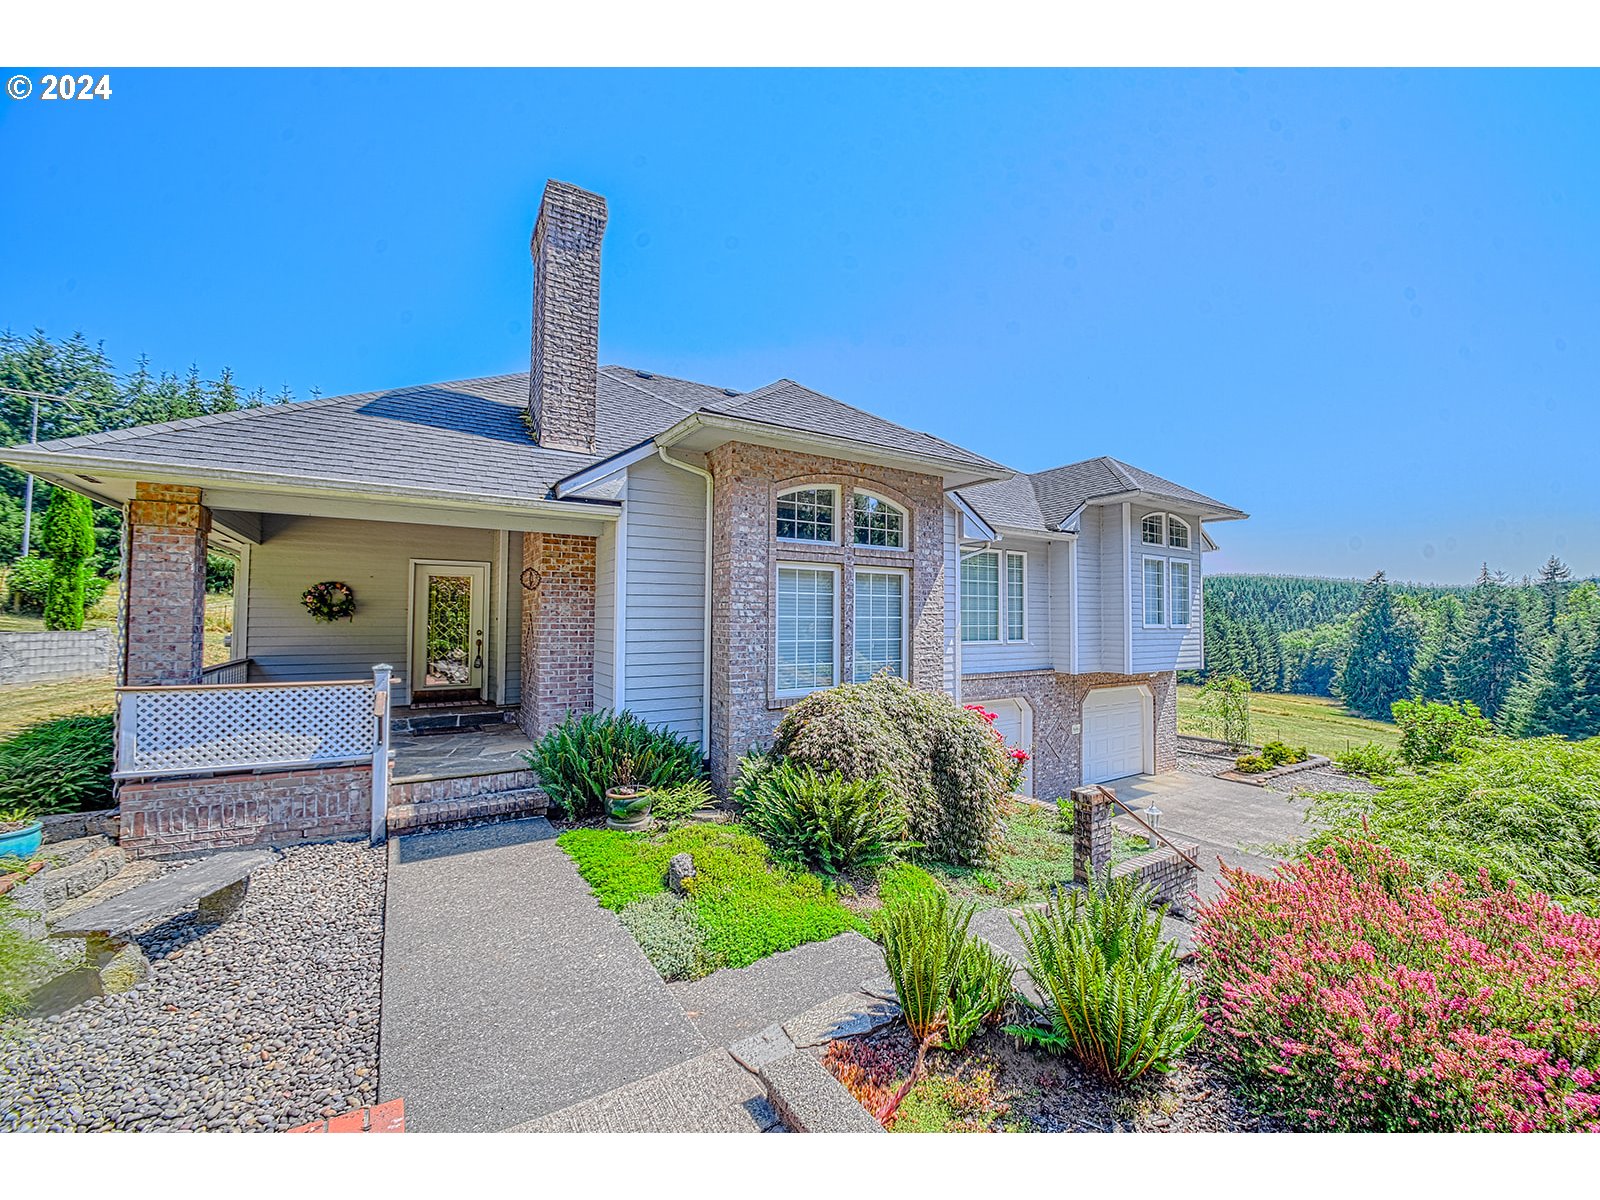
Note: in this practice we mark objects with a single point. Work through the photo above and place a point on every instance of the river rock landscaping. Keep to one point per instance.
(265, 1022)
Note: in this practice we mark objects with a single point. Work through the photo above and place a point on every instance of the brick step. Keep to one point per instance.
(486, 806)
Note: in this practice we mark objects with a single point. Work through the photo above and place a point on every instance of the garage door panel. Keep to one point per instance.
(1114, 735)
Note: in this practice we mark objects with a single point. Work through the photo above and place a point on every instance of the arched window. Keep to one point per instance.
(878, 522)
(1177, 532)
(808, 515)
(1151, 530)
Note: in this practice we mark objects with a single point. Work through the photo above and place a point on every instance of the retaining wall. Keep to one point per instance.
(52, 655)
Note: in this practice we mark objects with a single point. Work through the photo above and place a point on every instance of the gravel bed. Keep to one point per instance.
(1202, 764)
(1322, 779)
(267, 1021)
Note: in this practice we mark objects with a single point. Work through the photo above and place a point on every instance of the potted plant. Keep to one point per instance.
(21, 834)
(627, 805)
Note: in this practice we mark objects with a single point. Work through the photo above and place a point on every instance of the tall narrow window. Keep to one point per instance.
(1181, 598)
(880, 633)
(877, 522)
(1155, 601)
(980, 597)
(1151, 530)
(807, 630)
(806, 515)
(1016, 597)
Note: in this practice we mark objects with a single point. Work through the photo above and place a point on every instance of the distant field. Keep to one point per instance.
(1319, 724)
(28, 704)
(219, 620)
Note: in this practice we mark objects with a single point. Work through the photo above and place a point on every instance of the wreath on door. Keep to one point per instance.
(330, 601)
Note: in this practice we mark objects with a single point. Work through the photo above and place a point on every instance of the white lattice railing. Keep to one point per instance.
(234, 671)
(207, 728)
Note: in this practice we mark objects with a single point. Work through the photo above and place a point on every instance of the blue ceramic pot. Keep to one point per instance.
(20, 843)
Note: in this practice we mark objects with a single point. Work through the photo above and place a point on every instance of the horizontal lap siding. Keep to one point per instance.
(1164, 649)
(666, 596)
(985, 657)
(1113, 589)
(605, 629)
(1088, 583)
(286, 644)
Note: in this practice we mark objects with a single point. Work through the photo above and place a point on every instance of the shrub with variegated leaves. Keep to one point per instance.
(1349, 994)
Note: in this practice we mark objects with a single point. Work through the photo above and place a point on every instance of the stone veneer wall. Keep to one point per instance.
(557, 630)
(745, 709)
(1057, 703)
(566, 317)
(181, 816)
(165, 597)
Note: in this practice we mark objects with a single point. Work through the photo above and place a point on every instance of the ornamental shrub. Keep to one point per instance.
(1347, 994)
(821, 820)
(66, 535)
(1251, 764)
(583, 756)
(1224, 705)
(1113, 995)
(924, 939)
(58, 766)
(27, 581)
(946, 769)
(1525, 810)
(1431, 732)
(1371, 760)
(1280, 754)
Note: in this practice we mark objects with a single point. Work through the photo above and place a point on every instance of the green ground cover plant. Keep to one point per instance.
(22, 959)
(59, 766)
(1349, 993)
(1113, 996)
(587, 753)
(744, 905)
(1527, 811)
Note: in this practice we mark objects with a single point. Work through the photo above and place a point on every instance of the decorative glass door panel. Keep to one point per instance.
(449, 647)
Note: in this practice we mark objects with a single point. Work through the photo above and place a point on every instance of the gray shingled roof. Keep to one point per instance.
(1046, 499)
(472, 433)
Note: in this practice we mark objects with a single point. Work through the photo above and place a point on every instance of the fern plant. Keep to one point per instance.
(821, 820)
(586, 754)
(979, 993)
(1113, 994)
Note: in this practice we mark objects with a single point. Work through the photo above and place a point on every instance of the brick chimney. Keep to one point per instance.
(566, 316)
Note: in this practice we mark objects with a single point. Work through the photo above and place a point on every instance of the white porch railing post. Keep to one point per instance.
(127, 731)
(380, 753)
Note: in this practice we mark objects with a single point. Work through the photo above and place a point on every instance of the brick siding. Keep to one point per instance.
(165, 597)
(180, 816)
(745, 708)
(566, 317)
(557, 630)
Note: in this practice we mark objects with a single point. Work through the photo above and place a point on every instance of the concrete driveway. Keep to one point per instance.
(1236, 822)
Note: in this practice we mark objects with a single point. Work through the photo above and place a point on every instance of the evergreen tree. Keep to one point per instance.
(1552, 576)
(223, 395)
(1493, 653)
(1377, 671)
(66, 536)
(1550, 700)
(1433, 676)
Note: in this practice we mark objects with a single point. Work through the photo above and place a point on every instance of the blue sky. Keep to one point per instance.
(1364, 306)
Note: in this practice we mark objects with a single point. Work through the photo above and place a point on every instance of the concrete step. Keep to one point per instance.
(50, 889)
(509, 805)
(448, 720)
(708, 1094)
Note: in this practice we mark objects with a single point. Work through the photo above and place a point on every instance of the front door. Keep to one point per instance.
(449, 633)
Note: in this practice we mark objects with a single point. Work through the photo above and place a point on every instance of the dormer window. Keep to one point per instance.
(1152, 530)
(1177, 533)
(878, 523)
(807, 515)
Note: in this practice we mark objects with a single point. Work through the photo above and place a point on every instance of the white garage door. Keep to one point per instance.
(1013, 724)
(1113, 734)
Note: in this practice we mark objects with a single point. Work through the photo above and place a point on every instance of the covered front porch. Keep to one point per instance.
(483, 620)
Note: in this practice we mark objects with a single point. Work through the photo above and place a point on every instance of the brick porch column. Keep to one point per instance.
(164, 586)
(557, 630)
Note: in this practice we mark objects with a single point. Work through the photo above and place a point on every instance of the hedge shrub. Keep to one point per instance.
(58, 766)
(1347, 994)
(945, 768)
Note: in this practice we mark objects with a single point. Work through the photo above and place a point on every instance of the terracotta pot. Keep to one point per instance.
(627, 808)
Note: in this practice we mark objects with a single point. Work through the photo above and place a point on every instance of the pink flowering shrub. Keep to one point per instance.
(1348, 995)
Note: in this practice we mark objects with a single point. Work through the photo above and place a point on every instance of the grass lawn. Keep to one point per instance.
(739, 906)
(35, 702)
(1035, 858)
(1318, 723)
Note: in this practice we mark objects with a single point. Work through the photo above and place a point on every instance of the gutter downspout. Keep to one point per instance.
(705, 683)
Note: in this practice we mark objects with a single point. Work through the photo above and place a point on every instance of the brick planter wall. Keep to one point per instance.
(745, 709)
(180, 816)
(165, 597)
(557, 630)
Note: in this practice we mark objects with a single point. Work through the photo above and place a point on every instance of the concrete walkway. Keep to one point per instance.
(1232, 821)
(508, 993)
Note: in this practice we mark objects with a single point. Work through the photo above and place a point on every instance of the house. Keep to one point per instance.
(587, 537)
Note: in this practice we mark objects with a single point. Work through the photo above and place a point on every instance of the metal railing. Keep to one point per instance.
(236, 670)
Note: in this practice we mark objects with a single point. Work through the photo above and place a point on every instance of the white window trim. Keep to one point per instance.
(905, 615)
(1003, 623)
(838, 515)
(838, 623)
(1188, 533)
(905, 521)
(1172, 595)
(1005, 599)
(1166, 588)
(1161, 536)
